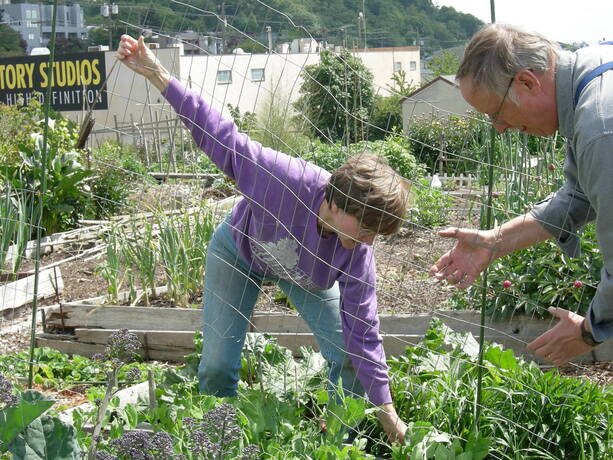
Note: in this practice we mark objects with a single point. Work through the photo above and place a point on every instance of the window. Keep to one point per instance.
(257, 74)
(28, 14)
(413, 65)
(224, 77)
(30, 37)
(397, 66)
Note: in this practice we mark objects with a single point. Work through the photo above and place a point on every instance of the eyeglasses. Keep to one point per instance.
(494, 117)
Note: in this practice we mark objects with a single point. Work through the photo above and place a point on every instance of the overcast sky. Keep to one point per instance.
(562, 20)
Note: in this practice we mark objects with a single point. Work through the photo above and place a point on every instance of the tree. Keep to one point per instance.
(386, 116)
(69, 45)
(11, 43)
(336, 97)
(444, 63)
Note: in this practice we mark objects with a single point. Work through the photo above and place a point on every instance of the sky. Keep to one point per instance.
(562, 20)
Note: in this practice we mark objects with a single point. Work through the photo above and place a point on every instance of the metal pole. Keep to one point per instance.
(364, 22)
(41, 192)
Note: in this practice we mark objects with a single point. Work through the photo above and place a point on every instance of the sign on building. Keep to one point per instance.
(76, 80)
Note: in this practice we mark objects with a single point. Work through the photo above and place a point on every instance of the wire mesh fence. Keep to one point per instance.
(295, 199)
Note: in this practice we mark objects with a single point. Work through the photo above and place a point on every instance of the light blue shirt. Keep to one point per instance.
(587, 194)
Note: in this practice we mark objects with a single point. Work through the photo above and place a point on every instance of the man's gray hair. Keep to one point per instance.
(498, 51)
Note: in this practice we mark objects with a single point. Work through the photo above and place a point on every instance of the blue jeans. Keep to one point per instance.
(231, 289)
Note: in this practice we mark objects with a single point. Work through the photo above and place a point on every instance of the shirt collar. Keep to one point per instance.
(564, 93)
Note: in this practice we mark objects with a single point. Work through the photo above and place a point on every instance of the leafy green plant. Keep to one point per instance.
(395, 149)
(116, 171)
(15, 228)
(430, 207)
(111, 270)
(183, 241)
(525, 411)
(245, 122)
(140, 254)
(460, 139)
(27, 433)
(540, 276)
(336, 97)
(65, 196)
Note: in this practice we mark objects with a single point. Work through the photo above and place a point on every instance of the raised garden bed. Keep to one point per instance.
(83, 328)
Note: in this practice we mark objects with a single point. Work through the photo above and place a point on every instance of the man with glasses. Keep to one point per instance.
(524, 81)
(309, 231)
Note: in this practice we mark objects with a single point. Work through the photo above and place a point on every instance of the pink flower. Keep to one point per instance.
(506, 284)
(578, 284)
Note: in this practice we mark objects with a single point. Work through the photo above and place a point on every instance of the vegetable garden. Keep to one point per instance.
(112, 237)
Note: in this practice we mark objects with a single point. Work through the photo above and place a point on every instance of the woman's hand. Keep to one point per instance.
(391, 423)
(138, 57)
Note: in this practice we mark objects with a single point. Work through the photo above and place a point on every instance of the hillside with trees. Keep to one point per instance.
(383, 22)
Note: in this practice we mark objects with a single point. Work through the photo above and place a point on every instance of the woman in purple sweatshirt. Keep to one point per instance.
(300, 226)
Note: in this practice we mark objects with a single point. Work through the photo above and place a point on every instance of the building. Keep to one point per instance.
(249, 82)
(439, 98)
(246, 80)
(33, 22)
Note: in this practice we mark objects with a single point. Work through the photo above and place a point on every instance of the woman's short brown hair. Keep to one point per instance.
(366, 187)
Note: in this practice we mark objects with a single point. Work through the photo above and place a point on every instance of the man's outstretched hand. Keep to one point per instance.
(562, 342)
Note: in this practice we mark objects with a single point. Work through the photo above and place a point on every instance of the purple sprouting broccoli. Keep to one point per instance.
(7, 398)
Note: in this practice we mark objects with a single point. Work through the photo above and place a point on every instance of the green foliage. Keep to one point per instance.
(326, 156)
(386, 114)
(462, 140)
(65, 199)
(11, 43)
(53, 369)
(443, 63)
(183, 242)
(431, 206)
(525, 412)
(14, 419)
(395, 149)
(244, 121)
(117, 169)
(541, 276)
(414, 21)
(45, 438)
(28, 434)
(16, 124)
(386, 117)
(336, 97)
(16, 211)
(65, 195)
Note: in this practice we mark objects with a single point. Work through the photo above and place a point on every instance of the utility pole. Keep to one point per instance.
(360, 18)
(109, 12)
(269, 35)
(224, 24)
(364, 22)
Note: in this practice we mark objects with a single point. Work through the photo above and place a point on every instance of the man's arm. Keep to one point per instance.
(475, 250)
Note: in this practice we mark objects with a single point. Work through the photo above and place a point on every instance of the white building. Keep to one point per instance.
(439, 98)
(246, 81)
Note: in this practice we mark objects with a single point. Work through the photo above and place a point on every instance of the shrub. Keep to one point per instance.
(453, 138)
(430, 207)
(117, 169)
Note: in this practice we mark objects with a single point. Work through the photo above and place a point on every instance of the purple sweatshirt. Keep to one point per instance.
(275, 230)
